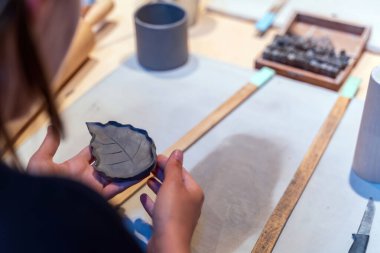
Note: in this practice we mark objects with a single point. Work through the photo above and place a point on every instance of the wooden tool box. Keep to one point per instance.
(345, 36)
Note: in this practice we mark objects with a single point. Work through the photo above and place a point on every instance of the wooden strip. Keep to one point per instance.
(213, 119)
(196, 133)
(288, 201)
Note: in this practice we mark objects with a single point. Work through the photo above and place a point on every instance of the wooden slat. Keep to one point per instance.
(288, 201)
(196, 133)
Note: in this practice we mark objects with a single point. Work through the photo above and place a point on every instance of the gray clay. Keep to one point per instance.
(313, 54)
(122, 151)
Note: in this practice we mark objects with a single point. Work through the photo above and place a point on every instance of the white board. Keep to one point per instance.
(364, 12)
(246, 9)
(333, 204)
(246, 162)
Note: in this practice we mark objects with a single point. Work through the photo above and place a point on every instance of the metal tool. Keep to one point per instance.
(362, 237)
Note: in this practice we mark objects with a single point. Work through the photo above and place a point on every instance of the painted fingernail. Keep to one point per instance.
(178, 155)
(143, 198)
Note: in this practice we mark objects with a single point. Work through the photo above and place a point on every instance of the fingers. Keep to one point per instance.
(147, 203)
(191, 184)
(173, 169)
(188, 179)
(159, 170)
(85, 154)
(114, 188)
(162, 161)
(104, 181)
(50, 144)
(154, 185)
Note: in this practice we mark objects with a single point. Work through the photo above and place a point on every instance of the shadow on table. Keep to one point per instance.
(204, 26)
(238, 181)
(364, 188)
(105, 31)
(185, 70)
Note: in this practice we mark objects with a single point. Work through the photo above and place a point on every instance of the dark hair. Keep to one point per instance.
(15, 16)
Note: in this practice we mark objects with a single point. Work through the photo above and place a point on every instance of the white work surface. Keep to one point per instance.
(364, 12)
(244, 164)
(333, 204)
(247, 9)
(166, 104)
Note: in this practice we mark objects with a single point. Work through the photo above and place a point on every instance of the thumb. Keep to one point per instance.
(50, 144)
(173, 169)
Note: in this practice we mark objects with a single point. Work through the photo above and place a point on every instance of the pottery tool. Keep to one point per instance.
(264, 23)
(82, 44)
(314, 54)
(259, 79)
(361, 238)
(292, 194)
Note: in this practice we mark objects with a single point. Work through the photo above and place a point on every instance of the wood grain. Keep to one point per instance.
(195, 134)
(289, 199)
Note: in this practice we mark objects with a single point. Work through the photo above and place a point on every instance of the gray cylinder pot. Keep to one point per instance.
(161, 36)
(367, 155)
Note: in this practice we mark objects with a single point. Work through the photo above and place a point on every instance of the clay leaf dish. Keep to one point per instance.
(121, 151)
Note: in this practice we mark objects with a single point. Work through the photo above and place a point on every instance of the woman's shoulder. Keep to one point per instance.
(54, 194)
(23, 187)
(57, 210)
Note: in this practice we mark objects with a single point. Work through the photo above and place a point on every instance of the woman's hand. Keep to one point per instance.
(77, 168)
(177, 208)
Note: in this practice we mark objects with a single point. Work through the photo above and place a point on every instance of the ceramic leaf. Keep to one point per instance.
(122, 151)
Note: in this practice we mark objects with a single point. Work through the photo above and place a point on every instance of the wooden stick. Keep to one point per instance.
(196, 133)
(289, 199)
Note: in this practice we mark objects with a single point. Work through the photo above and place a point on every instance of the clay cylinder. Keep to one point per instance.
(367, 154)
(161, 36)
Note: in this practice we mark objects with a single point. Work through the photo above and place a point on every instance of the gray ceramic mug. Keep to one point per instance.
(161, 36)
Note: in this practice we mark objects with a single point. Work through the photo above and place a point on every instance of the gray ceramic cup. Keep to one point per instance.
(161, 36)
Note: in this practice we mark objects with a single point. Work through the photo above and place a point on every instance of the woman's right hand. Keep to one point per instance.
(177, 208)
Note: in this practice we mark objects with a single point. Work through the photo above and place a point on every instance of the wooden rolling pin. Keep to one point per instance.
(83, 41)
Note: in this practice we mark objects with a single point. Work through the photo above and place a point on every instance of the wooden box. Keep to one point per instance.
(345, 36)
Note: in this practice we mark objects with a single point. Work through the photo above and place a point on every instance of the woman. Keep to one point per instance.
(43, 210)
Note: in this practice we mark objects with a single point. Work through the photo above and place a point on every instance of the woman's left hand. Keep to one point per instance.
(78, 168)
